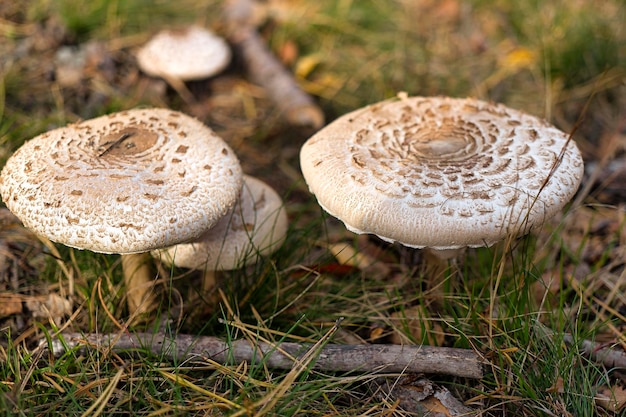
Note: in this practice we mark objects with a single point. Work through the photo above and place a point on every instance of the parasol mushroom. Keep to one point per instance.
(124, 183)
(256, 226)
(186, 54)
(441, 173)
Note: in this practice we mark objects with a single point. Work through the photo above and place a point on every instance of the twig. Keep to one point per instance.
(268, 402)
(331, 357)
(264, 69)
(599, 352)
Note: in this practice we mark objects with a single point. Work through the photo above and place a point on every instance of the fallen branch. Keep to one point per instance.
(264, 69)
(331, 357)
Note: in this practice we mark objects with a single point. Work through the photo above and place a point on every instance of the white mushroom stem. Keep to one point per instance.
(139, 283)
(436, 269)
(209, 282)
(181, 88)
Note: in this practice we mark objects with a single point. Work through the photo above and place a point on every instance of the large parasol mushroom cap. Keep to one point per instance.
(128, 182)
(257, 225)
(442, 173)
(185, 54)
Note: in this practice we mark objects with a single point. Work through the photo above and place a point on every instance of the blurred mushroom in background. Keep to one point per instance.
(185, 54)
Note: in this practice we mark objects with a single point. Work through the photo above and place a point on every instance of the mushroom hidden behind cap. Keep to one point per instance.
(257, 225)
(441, 172)
(123, 183)
(186, 54)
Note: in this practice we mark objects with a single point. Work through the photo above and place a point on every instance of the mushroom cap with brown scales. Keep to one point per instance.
(186, 54)
(443, 173)
(127, 182)
(257, 225)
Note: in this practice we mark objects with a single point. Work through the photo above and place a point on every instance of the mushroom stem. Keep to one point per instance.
(206, 298)
(181, 88)
(209, 282)
(437, 266)
(139, 281)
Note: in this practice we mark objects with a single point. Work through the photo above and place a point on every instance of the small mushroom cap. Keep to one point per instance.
(257, 225)
(124, 183)
(440, 172)
(191, 53)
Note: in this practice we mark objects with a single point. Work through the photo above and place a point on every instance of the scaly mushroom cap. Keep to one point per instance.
(191, 53)
(123, 183)
(441, 172)
(257, 225)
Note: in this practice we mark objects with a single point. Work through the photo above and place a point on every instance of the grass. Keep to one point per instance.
(513, 304)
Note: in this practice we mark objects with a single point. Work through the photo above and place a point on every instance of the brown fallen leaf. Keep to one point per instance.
(546, 290)
(10, 304)
(415, 321)
(558, 386)
(611, 398)
(423, 397)
(376, 332)
(433, 405)
(347, 255)
(364, 259)
(53, 307)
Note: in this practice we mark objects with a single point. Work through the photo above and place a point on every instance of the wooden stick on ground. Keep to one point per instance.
(603, 353)
(599, 352)
(264, 69)
(331, 357)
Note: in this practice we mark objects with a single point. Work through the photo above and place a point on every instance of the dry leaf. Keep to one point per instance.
(518, 58)
(10, 304)
(433, 405)
(376, 333)
(546, 290)
(288, 52)
(435, 12)
(611, 398)
(557, 386)
(346, 254)
(307, 64)
(423, 397)
(52, 307)
(416, 322)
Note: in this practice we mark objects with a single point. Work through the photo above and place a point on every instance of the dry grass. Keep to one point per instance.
(512, 303)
